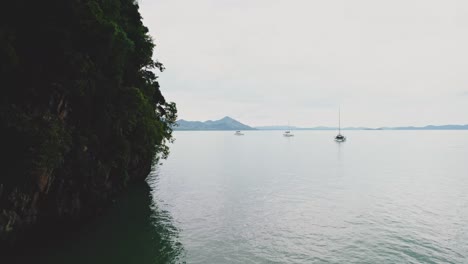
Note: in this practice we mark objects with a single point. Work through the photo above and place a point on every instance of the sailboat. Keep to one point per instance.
(339, 137)
(288, 133)
(238, 133)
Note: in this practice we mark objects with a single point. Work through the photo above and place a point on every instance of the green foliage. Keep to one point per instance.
(79, 95)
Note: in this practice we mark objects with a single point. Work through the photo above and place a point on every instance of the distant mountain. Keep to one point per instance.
(226, 123)
(308, 128)
(430, 127)
(277, 128)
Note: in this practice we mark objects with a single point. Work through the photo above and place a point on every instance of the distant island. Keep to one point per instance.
(228, 123)
(430, 127)
(225, 123)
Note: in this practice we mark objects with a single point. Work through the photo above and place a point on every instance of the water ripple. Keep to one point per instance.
(262, 200)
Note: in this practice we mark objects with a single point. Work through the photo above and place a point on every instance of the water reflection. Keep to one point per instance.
(134, 230)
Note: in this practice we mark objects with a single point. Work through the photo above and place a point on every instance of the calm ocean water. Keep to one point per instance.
(380, 197)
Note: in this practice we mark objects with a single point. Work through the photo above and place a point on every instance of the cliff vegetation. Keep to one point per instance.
(81, 112)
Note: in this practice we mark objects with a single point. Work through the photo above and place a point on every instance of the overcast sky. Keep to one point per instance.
(267, 62)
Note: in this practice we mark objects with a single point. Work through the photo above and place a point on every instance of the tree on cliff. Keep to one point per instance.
(81, 112)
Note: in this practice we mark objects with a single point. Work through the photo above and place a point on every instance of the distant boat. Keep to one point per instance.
(238, 133)
(339, 137)
(288, 133)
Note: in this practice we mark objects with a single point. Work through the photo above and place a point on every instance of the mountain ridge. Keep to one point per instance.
(225, 123)
(428, 127)
(229, 123)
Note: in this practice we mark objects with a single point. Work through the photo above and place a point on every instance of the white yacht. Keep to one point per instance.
(238, 133)
(339, 137)
(288, 133)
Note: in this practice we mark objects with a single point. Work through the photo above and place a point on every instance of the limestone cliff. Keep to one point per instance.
(81, 112)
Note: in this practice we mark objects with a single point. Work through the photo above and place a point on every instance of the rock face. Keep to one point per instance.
(55, 199)
(81, 112)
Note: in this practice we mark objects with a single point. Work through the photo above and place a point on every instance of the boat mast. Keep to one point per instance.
(339, 120)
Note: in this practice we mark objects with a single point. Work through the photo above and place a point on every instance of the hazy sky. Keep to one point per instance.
(267, 62)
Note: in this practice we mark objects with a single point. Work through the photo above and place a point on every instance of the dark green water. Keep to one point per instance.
(134, 230)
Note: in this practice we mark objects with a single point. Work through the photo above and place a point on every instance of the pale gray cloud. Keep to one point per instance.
(400, 62)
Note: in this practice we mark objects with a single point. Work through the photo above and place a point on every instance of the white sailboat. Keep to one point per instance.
(238, 133)
(288, 133)
(339, 137)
